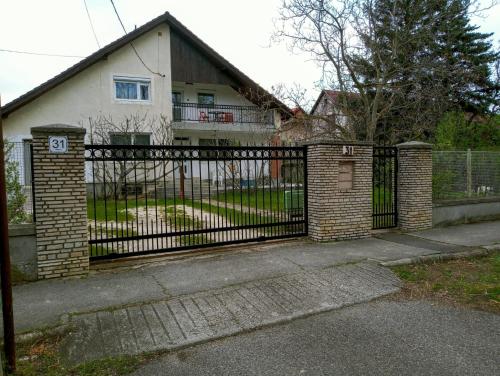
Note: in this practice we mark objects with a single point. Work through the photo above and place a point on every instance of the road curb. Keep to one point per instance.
(440, 257)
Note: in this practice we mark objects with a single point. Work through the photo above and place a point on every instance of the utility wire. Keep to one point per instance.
(91, 24)
(39, 53)
(131, 44)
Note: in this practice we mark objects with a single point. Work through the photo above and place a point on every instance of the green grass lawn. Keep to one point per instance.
(381, 197)
(473, 282)
(261, 199)
(115, 210)
(269, 203)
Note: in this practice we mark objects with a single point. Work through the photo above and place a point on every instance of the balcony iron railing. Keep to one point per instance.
(221, 113)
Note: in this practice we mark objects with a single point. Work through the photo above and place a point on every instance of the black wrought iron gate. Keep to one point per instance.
(385, 192)
(147, 199)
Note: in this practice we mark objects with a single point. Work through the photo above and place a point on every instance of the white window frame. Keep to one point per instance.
(138, 81)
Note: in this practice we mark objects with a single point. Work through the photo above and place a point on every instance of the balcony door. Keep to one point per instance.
(177, 108)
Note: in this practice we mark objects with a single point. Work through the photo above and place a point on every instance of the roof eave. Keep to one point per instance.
(104, 52)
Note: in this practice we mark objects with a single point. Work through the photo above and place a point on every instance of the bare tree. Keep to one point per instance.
(337, 35)
(396, 64)
(113, 176)
(102, 128)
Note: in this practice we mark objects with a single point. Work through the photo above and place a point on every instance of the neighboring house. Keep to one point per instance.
(326, 113)
(205, 98)
(296, 127)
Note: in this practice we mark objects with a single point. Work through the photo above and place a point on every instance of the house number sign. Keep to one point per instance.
(58, 144)
(348, 150)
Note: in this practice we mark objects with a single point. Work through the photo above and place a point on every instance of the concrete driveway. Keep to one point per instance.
(43, 303)
(377, 338)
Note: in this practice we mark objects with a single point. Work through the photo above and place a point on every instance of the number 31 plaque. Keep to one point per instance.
(58, 144)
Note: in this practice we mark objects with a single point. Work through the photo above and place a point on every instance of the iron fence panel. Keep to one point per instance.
(384, 187)
(147, 199)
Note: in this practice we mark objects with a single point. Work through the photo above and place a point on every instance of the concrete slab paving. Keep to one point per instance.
(42, 303)
(154, 281)
(216, 272)
(308, 254)
(377, 338)
(474, 234)
(421, 243)
(199, 317)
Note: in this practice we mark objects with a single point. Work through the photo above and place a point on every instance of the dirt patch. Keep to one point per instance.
(42, 357)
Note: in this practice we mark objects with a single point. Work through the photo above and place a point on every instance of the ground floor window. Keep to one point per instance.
(130, 138)
(212, 142)
(138, 139)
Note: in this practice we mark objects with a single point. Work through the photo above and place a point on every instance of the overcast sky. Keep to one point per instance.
(238, 29)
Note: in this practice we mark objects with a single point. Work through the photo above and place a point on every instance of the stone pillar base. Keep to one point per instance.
(339, 180)
(60, 201)
(414, 186)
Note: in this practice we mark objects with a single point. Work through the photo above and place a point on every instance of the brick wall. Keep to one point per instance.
(414, 186)
(60, 203)
(337, 213)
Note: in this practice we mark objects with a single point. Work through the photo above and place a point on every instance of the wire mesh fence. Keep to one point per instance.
(463, 174)
(19, 182)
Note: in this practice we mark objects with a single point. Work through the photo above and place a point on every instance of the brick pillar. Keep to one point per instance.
(414, 186)
(339, 207)
(60, 202)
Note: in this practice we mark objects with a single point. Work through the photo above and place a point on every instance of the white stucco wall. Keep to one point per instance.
(223, 94)
(91, 92)
(326, 107)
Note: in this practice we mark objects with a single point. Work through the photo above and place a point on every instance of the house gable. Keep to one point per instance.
(189, 64)
(189, 46)
(326, 101)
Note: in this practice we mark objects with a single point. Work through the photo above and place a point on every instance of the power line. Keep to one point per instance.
(131, 44)
(39, 53)
(91, 24)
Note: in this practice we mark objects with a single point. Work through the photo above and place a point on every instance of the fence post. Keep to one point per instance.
(339, 183)
(61, 202)
(414, 186)
(469, 173)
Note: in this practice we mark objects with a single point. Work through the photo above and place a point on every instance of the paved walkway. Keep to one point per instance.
(378, 338)
(195, 318)
(209, 294)
(43, 303)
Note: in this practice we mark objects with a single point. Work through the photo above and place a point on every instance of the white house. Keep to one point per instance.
(327, 114)
(159, 69)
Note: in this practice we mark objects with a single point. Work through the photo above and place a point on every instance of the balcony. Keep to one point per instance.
(221, 117)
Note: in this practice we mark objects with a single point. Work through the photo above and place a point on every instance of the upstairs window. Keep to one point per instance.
(132, 89)
(206, 99)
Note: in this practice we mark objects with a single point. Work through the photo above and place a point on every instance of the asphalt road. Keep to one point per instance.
(378, 338)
